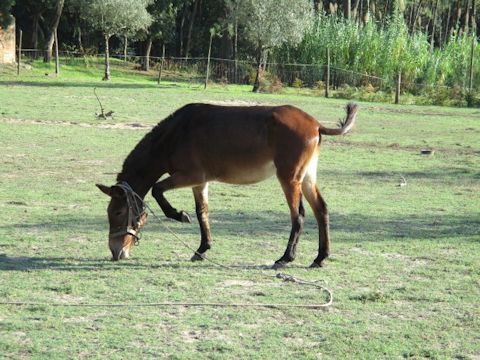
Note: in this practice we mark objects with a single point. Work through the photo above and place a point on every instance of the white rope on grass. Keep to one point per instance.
(165, 304)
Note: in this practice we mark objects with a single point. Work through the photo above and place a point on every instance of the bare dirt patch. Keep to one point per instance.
(422, 113)
(234, 102)
(103, 125)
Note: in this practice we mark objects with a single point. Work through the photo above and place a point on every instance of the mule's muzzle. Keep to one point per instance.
(119, 253)
(122, 239)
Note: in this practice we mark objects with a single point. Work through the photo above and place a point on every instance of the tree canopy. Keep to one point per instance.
(5, 10)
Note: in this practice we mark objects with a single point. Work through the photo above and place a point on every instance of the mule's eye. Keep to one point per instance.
(118, 213)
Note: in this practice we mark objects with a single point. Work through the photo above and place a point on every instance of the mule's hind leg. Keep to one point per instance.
(200, 194)
(293, 193)
(319, 207)
(177, 180)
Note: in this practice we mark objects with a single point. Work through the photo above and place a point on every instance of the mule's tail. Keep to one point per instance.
(345, 125)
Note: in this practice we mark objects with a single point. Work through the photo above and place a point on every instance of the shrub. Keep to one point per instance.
(269, 83)
(297, 83)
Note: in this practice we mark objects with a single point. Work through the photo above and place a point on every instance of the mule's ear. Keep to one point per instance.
(105, 189)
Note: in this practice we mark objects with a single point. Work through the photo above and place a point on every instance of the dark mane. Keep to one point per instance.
(162, 134)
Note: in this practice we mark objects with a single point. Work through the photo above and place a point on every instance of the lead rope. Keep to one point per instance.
(284, 277)
(131, 195)
(139, 209)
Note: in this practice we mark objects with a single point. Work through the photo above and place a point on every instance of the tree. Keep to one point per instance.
(52, 29)
(163, 14)
(113, 17)
(5, 11)
(271, 23)
(231, 23)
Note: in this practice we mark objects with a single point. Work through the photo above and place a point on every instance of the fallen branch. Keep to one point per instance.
(404, 182)
(102, 115)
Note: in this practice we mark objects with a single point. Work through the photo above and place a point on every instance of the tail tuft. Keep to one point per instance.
(346, 124)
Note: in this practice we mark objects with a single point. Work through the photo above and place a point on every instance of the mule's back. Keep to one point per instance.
(239, 144)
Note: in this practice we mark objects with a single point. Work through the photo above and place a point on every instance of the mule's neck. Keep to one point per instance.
(139, 184)
(140, 175)
(145, 165)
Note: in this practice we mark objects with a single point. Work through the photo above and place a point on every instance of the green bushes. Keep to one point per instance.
(372, 53)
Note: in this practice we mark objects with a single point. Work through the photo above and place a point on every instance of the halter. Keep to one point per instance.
(136, 209)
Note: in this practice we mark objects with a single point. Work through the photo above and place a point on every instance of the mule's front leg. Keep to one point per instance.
(201, 208)
(175, 181)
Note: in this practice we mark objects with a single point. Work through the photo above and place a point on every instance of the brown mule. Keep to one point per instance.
(200, 143)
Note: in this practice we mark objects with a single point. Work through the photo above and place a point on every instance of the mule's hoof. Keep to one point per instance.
(184, 217)
(279, 265)
(197, 257)
(316, 265)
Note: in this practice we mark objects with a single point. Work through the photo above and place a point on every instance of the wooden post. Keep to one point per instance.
(472, 60)
(57, 63)
(19, 52)
(208, 58)
(235, 51)
(125, 44)
(397, 88)
(327, 83)
(161, 65)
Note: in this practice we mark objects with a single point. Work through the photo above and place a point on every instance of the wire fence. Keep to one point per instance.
(221, 70)
(274, 76)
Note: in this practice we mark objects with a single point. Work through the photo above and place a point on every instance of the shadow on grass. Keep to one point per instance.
(27, 263)
(185, 84)
(270, 224)
(242, 223)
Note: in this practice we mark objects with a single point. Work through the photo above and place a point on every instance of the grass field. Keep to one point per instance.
(404, 269)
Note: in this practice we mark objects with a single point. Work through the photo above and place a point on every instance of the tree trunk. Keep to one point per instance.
(434, 23)
(78, 33)
(385, 12)
(146, 60)
(35, 29)
(256, 84)
(107, 59)
(182, 24)
(467, 16)
(410, 16)
(190, 28)
(348, 9)
(473, 19)
(459, 15)
(53, 28)
(447, 26)
(415, 19)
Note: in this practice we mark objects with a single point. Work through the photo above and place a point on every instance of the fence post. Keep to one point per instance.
(472, 55)
(208, 59)
(19, 52)
(57, 63)
(327, 84)
(397, 88)
(161, 65)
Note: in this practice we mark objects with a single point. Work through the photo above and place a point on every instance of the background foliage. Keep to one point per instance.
(430, 42)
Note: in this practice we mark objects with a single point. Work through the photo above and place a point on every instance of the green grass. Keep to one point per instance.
(404, 270)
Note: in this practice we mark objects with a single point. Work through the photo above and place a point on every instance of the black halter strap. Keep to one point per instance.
(136, 208)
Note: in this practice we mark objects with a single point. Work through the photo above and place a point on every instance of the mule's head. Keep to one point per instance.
(125, 221)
